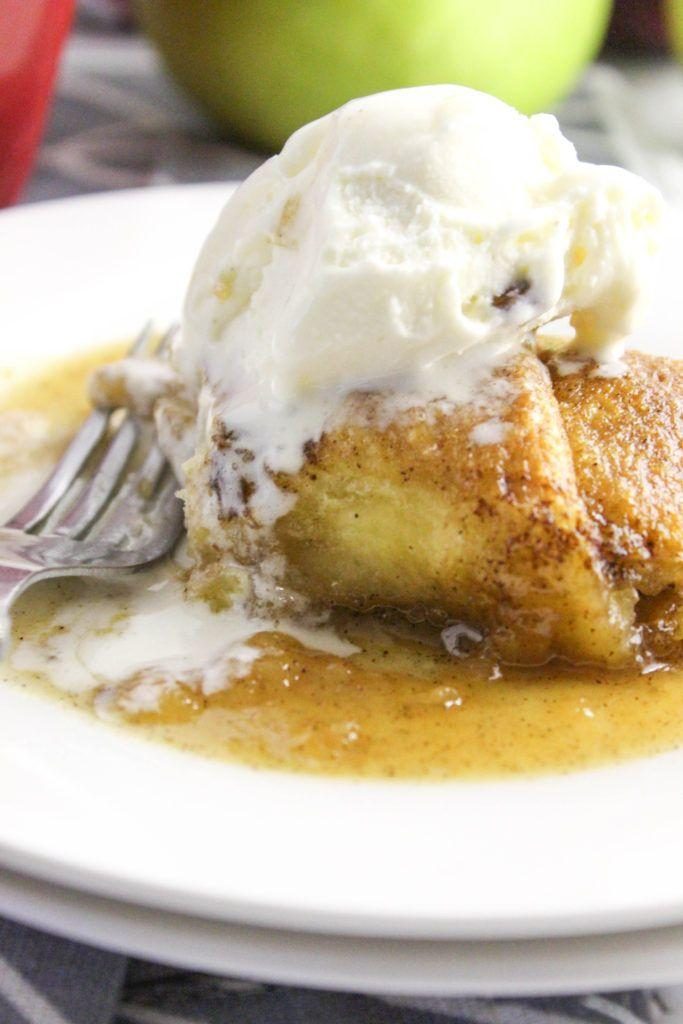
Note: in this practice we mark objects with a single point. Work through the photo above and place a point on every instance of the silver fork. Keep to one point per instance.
(120, 515)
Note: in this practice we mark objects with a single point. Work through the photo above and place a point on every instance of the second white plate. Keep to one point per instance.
(387, 967)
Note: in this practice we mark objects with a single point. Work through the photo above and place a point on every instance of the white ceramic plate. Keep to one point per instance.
(91, 807)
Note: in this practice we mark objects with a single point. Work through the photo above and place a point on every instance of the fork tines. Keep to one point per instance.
(111, 474)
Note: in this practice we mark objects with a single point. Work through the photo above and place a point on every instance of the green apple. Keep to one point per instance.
(262, 68)
(673, 10)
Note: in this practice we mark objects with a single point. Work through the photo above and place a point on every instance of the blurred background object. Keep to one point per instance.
(262, 68)
(638, 26)
(31, 36)
(119, 121)
(647, 27)
(111, 13)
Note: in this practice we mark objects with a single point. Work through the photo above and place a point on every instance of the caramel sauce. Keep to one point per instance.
(400, 708)
(413, 713)
(39, 412)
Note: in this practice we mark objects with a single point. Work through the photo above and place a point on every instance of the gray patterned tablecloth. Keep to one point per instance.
(117, 123)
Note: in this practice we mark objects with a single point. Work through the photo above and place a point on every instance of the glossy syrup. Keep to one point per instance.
(399, 707)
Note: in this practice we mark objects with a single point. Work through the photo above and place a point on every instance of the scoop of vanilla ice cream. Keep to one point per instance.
(406, 244)
(403, 231)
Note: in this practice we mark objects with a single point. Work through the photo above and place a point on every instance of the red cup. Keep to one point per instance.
(31, 36)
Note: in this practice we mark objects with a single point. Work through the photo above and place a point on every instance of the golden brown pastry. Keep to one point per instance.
(626, 438)
(540, 527)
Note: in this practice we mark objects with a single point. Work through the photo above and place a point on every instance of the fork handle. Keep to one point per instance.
(23, 561)
(13, 580)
